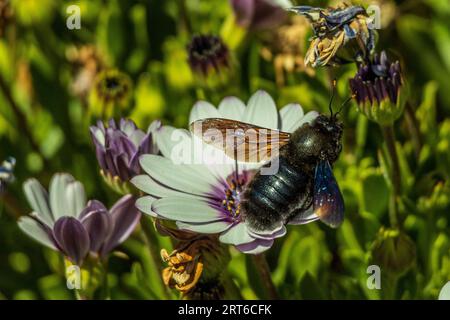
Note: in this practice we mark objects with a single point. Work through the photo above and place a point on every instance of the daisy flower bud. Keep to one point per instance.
(380, 90)
(111, 93)
(209, 59)
(394, 251)
(118, 147)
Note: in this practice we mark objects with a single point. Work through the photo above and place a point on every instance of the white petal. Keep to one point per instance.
(282, 3)
(309, 117)
(144, 204)
(76, 198)
(148, 185)
(232, 108)
(194, 179)
(136, 137)
(290, 117)
(58, 194)
(261, 111)
(38, 199)
(236, 235)
(186, 210)
(32, 228)
(256, 247)
(445, 292)
(208, 228)
(269, 235)
(169, 137)
(99, 136)
(203, 110)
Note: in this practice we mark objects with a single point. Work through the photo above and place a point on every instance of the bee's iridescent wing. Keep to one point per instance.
(239, 140)
(328, 203)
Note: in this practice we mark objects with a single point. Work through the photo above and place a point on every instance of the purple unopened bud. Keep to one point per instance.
(119, 146)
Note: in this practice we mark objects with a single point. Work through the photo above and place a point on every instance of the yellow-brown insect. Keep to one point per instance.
(341, 34)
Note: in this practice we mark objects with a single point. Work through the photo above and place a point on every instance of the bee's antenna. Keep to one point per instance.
(344, 104)
(333, 92)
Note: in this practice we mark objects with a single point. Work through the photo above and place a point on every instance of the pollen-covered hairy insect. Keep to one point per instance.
(342, 34)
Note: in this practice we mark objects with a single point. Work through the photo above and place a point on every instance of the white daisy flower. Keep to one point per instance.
(205, 197)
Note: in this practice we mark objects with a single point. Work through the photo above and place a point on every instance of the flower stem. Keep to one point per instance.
(20, 116)
(78, 295)
(413, 128)
(11, 205)
(184, 15)
(232, 292)
(389, 137)
(263, 267)
(150, 239)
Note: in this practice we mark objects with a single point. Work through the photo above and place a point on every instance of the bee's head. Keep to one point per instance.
(329, 125)
(331, 128)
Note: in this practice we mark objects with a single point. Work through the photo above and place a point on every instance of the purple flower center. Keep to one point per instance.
(112, 83)
(234, 187)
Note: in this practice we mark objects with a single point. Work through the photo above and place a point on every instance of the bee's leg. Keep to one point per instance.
(371, 41)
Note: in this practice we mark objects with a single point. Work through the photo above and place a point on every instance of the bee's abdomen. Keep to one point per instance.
(268, 197)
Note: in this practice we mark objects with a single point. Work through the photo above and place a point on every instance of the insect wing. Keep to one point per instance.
(343, 16)
(313, 14)
(239, 140)
(328, 203)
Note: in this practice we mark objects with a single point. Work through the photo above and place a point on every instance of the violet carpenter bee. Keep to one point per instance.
(302, 189)
(341, 34)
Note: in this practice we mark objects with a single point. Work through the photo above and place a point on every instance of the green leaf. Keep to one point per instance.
(309, 288)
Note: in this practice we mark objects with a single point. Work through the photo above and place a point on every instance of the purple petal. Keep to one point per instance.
(118, 142)
(100, 153)
(277, 233)
(99, 226)
(255, 247)
(125, 216)
(110, 164)
(72, 238)
(127, 126)
(112, 124)
(145, 147)
(244, 11)
(101, 126)
(92, 205)
(146, 144)
(267, 15)
(122, 167)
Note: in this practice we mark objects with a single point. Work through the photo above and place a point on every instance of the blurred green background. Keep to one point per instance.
(45, 70)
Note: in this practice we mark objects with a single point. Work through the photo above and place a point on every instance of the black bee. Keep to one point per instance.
(302, 188)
